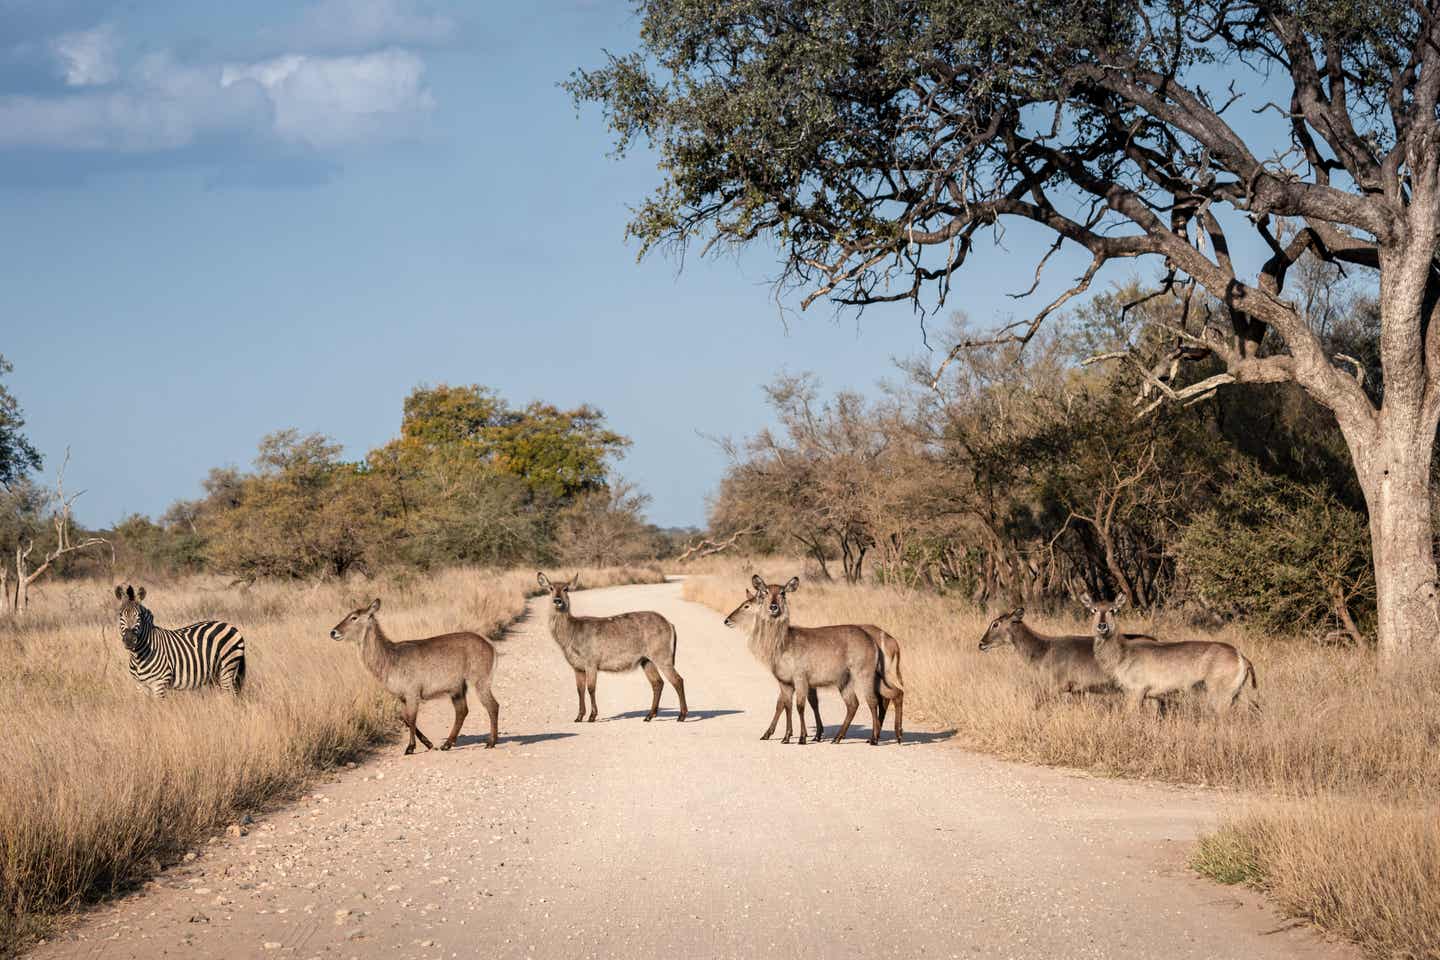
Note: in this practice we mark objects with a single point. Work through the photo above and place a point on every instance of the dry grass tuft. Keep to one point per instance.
(102, 784)
(1331, 729)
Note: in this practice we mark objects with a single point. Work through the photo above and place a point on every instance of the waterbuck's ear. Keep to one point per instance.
(1017, 614)
(1118, 603)
(758, 582)
(793, 585)
(119, 592)
(544, 580)
(574, 583)
(1088, 603)
(374, 605)
(140, 593)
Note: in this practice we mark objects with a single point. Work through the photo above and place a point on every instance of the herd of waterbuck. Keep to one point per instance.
(856, 659)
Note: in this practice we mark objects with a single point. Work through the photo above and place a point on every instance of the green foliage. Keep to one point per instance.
(17, 455)
(1284, 554)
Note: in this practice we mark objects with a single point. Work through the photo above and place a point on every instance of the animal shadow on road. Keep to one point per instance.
(523, 739)
(692, 717)
(859, 734)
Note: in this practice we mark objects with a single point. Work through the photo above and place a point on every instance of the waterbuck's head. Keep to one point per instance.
(132, 615)
(559, 592)
(355, 624)
(772, 598)
(1102, 615)
(748, 606)
(1002, 629)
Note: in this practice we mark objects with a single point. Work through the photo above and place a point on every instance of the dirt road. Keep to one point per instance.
(695, 840)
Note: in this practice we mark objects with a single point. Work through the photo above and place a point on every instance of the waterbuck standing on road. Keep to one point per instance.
(442, 666)
(615, 644)
(884, 690)
(844, 656)
(1160, 669)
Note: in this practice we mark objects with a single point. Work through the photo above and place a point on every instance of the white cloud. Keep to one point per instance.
(333, 25)
(161, 104)
(87, 58)
(332, 101)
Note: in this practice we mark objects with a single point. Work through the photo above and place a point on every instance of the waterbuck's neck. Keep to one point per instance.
(1029, 644)
(768, 635)
(562, 624)
(1107, 647)
(376, 650)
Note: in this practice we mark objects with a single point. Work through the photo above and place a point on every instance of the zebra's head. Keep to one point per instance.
(131, 615)
(353, 626)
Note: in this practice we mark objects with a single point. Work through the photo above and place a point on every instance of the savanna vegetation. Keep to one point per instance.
(1281, 468)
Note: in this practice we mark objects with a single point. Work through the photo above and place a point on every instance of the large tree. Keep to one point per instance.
(873, 140)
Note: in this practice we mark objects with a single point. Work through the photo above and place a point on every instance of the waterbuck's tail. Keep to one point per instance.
(889, 662)
(674, 644)
(1250, 669)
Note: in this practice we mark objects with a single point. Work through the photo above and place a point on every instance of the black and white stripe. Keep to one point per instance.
(209, 652)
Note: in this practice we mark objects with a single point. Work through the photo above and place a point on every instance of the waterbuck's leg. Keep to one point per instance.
(492, 707)
(899, 702)
(411, 711)
(1137, 699)
(656, 685)
(880, 695)
(852, 703)
(780, 701)
(678, 682)
(815, 709)
(462, 708)
(873, 701)
(802, 694)
(787, 694)
(590, 677)
(580, 692)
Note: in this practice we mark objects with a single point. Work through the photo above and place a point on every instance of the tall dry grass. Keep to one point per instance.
(101, 784)
(1352, 754)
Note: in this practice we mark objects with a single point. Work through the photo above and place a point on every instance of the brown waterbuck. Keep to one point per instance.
(617, 644)
(443, 666)
(1066, 664)
(1158, 670)
(886, 643)
(844, 656)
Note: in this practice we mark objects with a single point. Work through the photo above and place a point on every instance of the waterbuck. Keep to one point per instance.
(1066, 664)
(1157, 670)
(884, 690)
(442, 666)
(844, 656)
(615, 644)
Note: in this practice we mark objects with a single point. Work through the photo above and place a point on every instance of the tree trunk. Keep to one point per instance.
(1394, 471)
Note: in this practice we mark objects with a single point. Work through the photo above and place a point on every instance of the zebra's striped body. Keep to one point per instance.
(209, 652)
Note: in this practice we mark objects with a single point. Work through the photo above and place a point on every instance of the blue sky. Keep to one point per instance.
(224, 220)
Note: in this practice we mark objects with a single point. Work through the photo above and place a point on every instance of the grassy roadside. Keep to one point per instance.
(1350, 834)
(103, 786)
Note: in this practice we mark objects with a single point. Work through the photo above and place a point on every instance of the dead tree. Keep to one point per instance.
(24, 576)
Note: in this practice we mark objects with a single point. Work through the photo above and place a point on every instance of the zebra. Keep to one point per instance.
(209, 652)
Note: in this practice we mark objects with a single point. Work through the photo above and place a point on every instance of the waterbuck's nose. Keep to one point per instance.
(334, 634)
(727, 622)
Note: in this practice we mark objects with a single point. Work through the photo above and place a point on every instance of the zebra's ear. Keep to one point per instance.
(119, 592)
(374, 605)
(140, 594)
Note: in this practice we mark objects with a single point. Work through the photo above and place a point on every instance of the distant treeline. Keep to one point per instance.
(470, 479)
(1023, 477)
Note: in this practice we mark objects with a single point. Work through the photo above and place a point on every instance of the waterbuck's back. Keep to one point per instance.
(827, 656)
(615, 644)
(441, 664)
(1176, 667)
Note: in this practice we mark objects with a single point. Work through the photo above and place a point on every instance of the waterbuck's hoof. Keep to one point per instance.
(681, 718)
(649, 717)
(580, 719)
(410, 749)
(447, 744)
(489, 744)
(874, 741)
(784, 739)
(590, 719)
(764, 736)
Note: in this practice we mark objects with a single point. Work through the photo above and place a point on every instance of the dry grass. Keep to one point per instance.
(1355, 752)
(102, 784)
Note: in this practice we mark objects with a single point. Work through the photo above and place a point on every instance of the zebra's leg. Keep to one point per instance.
(232, 678)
